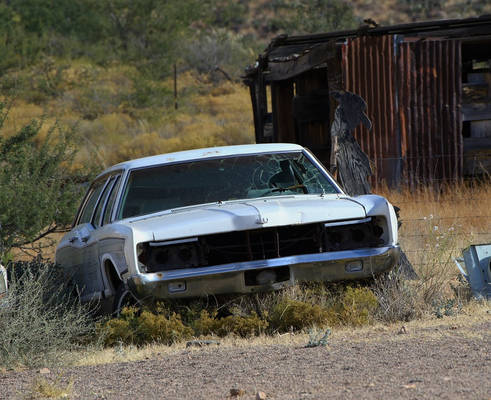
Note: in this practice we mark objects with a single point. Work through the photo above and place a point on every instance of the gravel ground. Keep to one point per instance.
(437, 361)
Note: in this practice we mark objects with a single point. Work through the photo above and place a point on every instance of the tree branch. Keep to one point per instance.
(51, 229)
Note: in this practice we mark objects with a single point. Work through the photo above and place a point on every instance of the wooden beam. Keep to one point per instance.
(476, 112)
(296, 64)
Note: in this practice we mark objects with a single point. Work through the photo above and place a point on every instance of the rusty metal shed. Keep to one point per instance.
(427, 85)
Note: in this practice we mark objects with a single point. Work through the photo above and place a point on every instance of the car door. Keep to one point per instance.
(95, 239)
(111, 242)
(74, 251)
(107, 244)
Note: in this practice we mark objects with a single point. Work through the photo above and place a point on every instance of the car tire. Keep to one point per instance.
(123, 298)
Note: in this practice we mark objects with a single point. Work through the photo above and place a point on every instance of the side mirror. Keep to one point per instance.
(3, 281)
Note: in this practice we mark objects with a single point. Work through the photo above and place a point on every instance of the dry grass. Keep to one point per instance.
(43, 388)
(436, 226)
(464, 324)
(119, 115)
(41, 321)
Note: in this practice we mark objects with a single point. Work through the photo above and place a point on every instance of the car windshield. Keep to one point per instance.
(154, 189)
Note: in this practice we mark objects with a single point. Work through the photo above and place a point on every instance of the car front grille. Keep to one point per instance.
(261, 244)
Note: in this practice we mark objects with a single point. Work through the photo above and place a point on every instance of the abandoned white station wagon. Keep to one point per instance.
(235, 219)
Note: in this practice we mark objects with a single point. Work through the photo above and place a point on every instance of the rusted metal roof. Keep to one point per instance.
(411, 77)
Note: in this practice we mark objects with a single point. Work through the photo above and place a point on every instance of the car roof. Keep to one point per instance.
(198, 154)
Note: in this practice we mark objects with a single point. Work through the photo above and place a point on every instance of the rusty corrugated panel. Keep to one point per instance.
(369, 71)
(429, 80)
(413, 92)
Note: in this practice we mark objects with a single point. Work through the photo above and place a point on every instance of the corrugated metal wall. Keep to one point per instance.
(429, 83)
(413, 91)
(368, 70)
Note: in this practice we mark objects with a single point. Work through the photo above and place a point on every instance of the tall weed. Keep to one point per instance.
(41, 319)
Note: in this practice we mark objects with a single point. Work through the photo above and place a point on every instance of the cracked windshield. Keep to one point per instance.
(160, 188)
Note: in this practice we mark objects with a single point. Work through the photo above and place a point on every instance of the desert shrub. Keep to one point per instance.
(218, 54)
(298, 308)
(243, 326)
(157, 328)
(41, 319)
(49, 389)
(307, 16)
(297, 315)
(320, 305)
(140, 327)
(359, 305)
(396, 297)
(38, 193)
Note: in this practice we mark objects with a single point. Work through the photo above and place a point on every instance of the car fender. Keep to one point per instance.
(377, 205)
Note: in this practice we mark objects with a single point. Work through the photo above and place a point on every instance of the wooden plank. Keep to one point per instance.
(477, 143)
(477, 156)
(282, 104)
(314, 134)
(311, 108)
(476, 112)
(311, 58)
(475, 93)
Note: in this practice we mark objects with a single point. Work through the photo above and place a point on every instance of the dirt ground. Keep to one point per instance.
(440, 358)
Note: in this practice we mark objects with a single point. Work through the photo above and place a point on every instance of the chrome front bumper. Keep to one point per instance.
(230, 278)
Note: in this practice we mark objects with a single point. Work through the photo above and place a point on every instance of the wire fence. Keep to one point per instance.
(433, 218)
(481, 156)
(432, 170)
(438, 243)
(439, 201)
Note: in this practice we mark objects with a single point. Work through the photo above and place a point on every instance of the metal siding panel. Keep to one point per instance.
(451, 103)
(428, 73)
(406, 103)
(436, 136)
(430, 101)
(439, 66)
(368, 71)
(458, 111)
(446, 137)
(376, 100)
(404, 111)
(418, 112)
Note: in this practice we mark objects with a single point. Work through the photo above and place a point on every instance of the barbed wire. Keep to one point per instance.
(446, 200)
(435, 262)
(431, 157)
(445, 233)
(428, 219)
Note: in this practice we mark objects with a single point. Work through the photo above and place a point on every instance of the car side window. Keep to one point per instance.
(110, 203)
(91, 202)
(102, 202)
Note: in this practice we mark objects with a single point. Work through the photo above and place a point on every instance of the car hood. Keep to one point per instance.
(246, 215)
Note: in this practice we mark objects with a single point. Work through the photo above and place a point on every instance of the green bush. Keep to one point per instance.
(296, 315)
(299, 308)
(219, 54)
(311, 16)
(243, 326)
(359, 306)
(140, 327)
(41, 320)
(38, 194)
